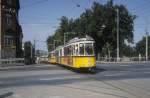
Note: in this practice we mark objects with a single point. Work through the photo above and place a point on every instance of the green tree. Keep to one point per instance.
(141, 46)
(29, 53)
(92, 22)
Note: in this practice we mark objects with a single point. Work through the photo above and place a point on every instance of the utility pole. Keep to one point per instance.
(34, 50)
(118, 35)
(54, 44)
(146, 53)
(31, 51)
(65, 37)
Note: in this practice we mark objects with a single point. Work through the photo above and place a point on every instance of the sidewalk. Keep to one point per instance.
(124, 62)
(14, 66)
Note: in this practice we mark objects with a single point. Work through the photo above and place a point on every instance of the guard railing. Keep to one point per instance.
(123, 60)
(12, 61)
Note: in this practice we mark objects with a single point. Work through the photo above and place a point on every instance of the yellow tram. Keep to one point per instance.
(77, 53)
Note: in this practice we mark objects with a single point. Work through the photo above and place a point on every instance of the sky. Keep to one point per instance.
(40, 18)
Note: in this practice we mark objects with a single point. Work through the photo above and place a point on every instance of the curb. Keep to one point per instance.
(136, 62)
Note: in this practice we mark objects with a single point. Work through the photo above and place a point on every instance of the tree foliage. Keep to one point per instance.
(99, 22)
(141, 46)
(29, 53)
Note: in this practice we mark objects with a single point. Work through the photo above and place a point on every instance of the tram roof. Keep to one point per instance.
(77, 39)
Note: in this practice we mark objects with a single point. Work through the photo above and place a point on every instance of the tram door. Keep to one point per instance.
(57, 56)
(70, 61)
(60, 54)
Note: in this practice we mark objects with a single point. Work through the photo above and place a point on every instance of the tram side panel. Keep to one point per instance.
(84, 61)
(52, 60)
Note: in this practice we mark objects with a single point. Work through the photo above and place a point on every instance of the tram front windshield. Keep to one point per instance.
(89, 49)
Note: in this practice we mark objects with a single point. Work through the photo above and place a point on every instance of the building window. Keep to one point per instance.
(9, 20)
(9, 2)
(8, 40)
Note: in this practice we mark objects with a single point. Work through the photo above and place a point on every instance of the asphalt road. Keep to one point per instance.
(51, 81)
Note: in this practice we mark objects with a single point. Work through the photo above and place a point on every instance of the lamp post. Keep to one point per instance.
(146, 53)
(65, 37)
(101, 30)
(118, 57)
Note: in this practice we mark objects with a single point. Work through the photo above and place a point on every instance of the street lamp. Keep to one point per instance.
(101, 30)
(65, 37)
(118, 57)
(146, 53)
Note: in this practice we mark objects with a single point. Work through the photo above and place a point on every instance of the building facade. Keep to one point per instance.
(10, 30)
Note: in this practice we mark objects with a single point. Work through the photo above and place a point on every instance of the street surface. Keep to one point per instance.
(52, 81)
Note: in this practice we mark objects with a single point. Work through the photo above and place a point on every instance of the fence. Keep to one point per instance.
(12, 61)
(123, 60)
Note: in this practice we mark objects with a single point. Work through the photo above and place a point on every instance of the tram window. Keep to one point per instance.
(57, 53)
(81, 51)
(70, 50)
(73, 49)
(89, 49)
(76, 49)
(65, 51)
(60, 52)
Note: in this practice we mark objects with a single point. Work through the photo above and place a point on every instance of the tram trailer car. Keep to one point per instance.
(77, 53)
(52, 57)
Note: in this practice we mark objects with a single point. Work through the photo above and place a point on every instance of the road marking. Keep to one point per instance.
(125, 65)
(118, 74)
(56, 97)
(16, 96)
(45, 79)
(146, 72)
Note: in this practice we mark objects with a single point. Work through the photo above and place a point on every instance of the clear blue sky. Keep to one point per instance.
(39, 18)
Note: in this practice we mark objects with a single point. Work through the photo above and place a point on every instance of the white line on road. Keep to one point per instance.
(125, 65)
(45, 79)
(16, 96)
(118, 74)
(1, 82)
(146, 72)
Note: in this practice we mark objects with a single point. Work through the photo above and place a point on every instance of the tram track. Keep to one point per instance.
(148, 90)
(100, 92)
(93, 91)
(122, 88)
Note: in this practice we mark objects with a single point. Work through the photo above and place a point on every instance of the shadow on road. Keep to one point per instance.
(69, 77)
(6, 95)
(30, 68)
(82, 71)
(60, 79)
